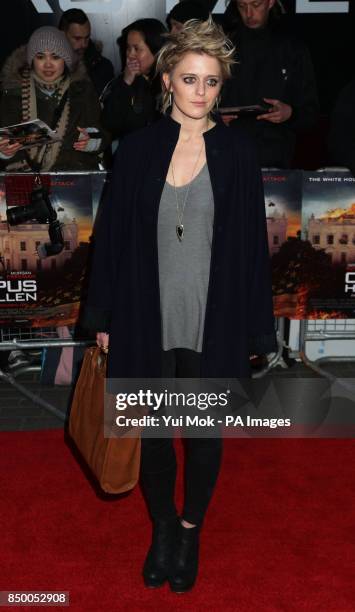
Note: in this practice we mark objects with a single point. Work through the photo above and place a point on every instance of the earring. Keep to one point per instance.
(170, 98)
(216, 104)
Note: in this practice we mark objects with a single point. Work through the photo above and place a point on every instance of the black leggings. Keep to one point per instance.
(202, 458)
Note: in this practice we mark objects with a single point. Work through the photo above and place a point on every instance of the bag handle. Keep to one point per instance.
(99, 359)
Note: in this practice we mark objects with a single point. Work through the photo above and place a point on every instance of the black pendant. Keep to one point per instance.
(180, 231)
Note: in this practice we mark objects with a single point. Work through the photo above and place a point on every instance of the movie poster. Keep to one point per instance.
(283, 202)
(43, 275)
(328, 223)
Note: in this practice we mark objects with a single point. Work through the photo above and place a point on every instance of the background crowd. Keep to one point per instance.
(62, 78)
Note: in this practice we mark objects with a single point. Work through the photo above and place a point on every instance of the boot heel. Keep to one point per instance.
(185, 561)
(158, 561)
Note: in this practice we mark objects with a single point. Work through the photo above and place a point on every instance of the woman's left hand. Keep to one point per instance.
(81, 143)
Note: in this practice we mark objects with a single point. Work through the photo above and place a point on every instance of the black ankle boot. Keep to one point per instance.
(158, 561)
(185, 561)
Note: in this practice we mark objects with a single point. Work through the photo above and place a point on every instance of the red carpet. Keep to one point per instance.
(279, 535)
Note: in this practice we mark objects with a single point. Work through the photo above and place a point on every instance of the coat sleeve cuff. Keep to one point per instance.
(262, 344)
(95, 319)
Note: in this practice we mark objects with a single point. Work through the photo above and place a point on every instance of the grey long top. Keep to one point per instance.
(184, 267)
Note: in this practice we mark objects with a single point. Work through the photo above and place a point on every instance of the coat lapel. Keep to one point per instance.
(156, 170)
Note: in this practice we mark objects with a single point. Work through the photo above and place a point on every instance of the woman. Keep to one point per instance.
(44, 81)
(181, 283)
(132, 102)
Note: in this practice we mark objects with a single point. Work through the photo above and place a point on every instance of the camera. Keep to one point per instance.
(40, 209)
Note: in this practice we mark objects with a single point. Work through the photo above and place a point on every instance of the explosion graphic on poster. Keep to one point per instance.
(328, 224)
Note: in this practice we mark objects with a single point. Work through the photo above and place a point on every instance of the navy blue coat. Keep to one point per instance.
(124, 288)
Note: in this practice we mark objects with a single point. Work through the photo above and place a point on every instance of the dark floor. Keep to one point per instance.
(19, 413)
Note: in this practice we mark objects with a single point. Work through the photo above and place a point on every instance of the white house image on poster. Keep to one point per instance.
(335, 233)
(18, 247)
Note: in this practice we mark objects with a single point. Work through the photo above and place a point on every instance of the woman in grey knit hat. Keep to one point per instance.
(44, 80)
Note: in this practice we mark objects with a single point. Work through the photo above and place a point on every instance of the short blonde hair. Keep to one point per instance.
(195, 37)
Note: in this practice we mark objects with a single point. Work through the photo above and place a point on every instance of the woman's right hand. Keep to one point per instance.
(228, 118)
(131, 70)
(102, 340)
(7, 149)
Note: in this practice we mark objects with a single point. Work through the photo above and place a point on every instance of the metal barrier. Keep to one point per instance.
(274, 359)
(32, 338)
(329, 329)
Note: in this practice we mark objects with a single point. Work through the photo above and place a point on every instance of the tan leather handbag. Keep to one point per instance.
(114, 461)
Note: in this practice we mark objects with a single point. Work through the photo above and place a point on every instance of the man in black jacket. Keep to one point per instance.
(77, 28)
(183, 11)
(342, 130)
(273, 70)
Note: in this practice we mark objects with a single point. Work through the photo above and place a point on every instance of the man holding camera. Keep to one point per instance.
(273, 72)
